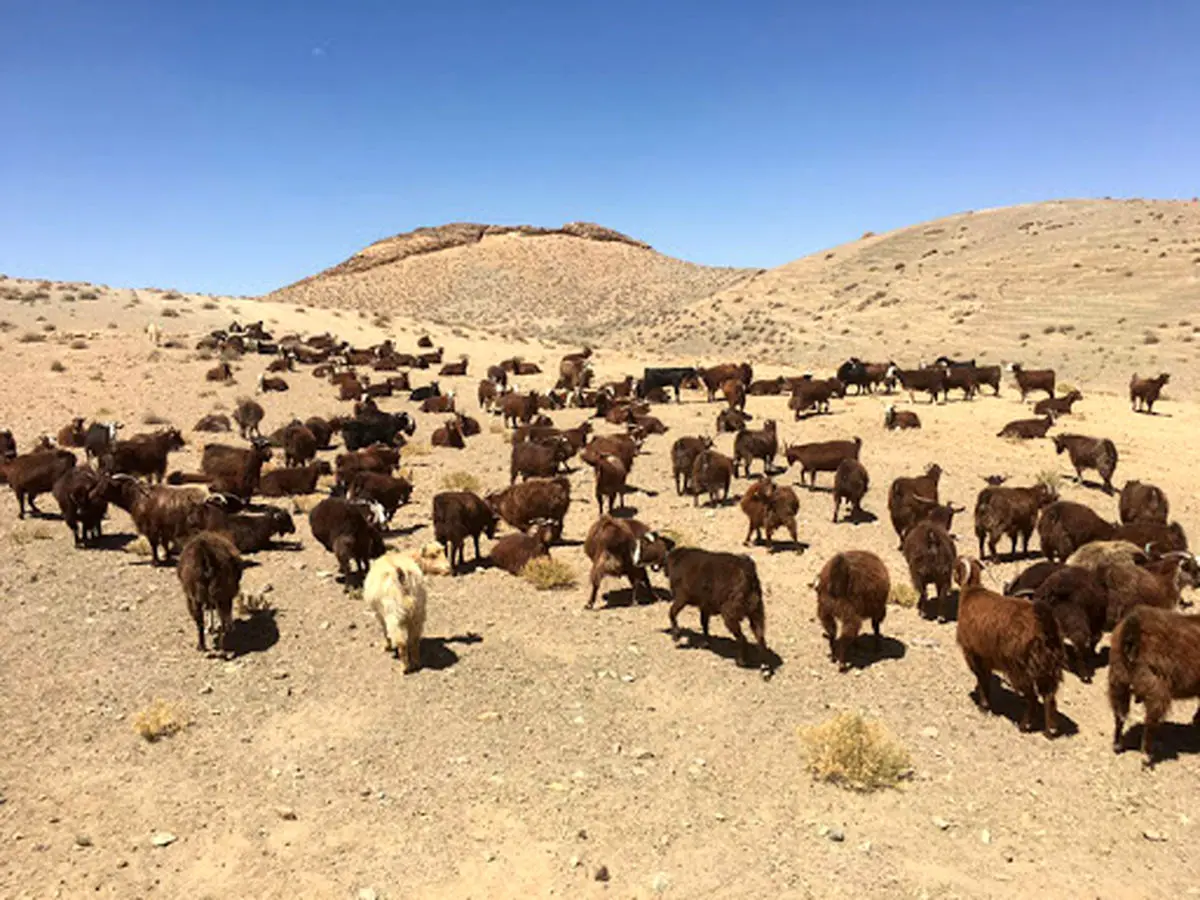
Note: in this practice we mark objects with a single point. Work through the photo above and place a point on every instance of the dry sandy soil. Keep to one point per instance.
(541, 741)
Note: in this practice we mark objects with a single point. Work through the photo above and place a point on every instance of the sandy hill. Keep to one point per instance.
(578, 282)
(1094, 287)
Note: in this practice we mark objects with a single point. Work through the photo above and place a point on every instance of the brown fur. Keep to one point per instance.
(723, 584)
(850, 484)
(853, 586)
(1141, 502)
(1009, 512)
(1089, 453)
(930, 554)
(1143, 392)
(1064, 527)
(909, 498)
(822, 456)
(210, 570)
(712, 473)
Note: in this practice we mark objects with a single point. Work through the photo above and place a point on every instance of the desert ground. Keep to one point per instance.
(542, 744)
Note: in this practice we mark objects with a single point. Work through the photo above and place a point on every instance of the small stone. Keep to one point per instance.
(1156, 836)
(720, 817)
(836, 835)
(940, 823)
(660, 882)
(368, 894)
(82, 840)
(163, 839)
(865, 846)
(206, 689)
(286, 813)
(573, 862)
(601, 873)
(582, 834)
(985, 836)
(929, 732)
(642, 753)
(490, 856)
(488, 716)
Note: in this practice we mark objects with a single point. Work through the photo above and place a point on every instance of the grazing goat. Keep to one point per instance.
(458, 515)
(1012, 636)
(929, 551)
(822, 456)
(1155, 658)
(724, 584)
(850, 484)
(769, 506)
(143, 454)
(759, 444)
(1089, 453)
(165, 516)
(288, 482)
(610, 474)
(909, 498)
(235, 470)
(538, 459)
(1064, 527)
(1026, 429)
(33, 474)
(248, 414)
(538, 499)
(1142, 502)
(350, 531)
(249, 532)
(1143, 392)
(683, 454)
(899, 418)
(1010, 512)
(513, 551)
(82, 502)
(1158, 584)
(1030, 380)
(1080, 603)
(394, 589)
(210, 571)
(712, 473)
(852, 586)
(623, 548)
(1057, 406)
(389, 492)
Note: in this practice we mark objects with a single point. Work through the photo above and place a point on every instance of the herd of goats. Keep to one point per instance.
(1097, 576)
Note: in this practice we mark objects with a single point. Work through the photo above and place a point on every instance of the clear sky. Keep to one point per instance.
(236, 146)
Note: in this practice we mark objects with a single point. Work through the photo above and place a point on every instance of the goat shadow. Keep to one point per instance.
(1144, 412)
(719, 504)
(726, 648)
(1011, 706)
(255, 634)
(812, 415)
(436, 653)
(111, 542)
(624, 512)
(404, 530)
(814, 488)
(623, 598)
(1095, 485)
(1171, 740)
(861, 654)
(862, 517)
(783, 546)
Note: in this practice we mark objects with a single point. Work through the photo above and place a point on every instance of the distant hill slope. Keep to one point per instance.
(1097, 288)
(578, 282)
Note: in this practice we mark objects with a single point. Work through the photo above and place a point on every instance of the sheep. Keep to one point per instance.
(222, 372)
(852, 586)
(822, 456)
(1142, 502)
(449, 434)
(210, 570)
(712, 473)
(1012, 636)
(513, 551)
(538, 499)
(850, 483)
(1064, 527)
(235, 470)
(1027, 429)
(165, 516)
(722, 583)
(1057, 406)
(266, 384)
(248, 414)
(33, 474)
(1155, 658)
(72, 434)
(899, 418)
(213, 422)
(770, 506)
(458, 515)
(1030, 380)
(394, 589)
(610, 475)
(1009, 512)
(909, 498)
(683, 454)
(1144, 392)
(350, 530)
(929, 551)
(751, 445)
(1080, 603)
(623, 548)
(82, 502)
(290, 481)
(1089, 453)
(389, 492)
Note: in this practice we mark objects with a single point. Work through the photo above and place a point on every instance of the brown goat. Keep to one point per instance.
(33, 474)
(73, 434)
(683, 454)
(1009, 512)
(769, 506)
(822, 456)
(458, 515)
(1026, 429)
(290, 481)
(1064, 527)
(143, 454)
(751, 445)
(449, 434)
(1089, 453)
(850, 483)
(220, 372)
(1057, 406)
(929, 551)
(1143, 392)
(623, 548)
(909, 498)
(389, 492)
(1155, 658)
(1158, 584)
(900, 418)
(724, 584)
(610, 474)
(1012, 636)
(513, 551)
(248, 415)
(852, 586)
(712, 473)
(1030, 380)
(210, 570)
(1142, 502)
(1080, 604)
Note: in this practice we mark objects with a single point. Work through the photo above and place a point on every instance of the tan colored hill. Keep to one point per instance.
(1097, 288)
(578, 282)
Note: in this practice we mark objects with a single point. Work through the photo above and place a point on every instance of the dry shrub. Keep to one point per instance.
(250, 603)
(548, 574)
(152, 418)
(854, 753)
(172, 295)
(27, 534)
(139, 546)
(1023, 336)
(68, 298)
(208, 304)
(1150, 338)
(56, 366)
(1050, 478)
(78, 344)
(160, 720)
(168, 313)
(6, 325)
(461, 481)
(49, 326)
(1065, 387)
(416, 449)
(89, 295)
(31, 337)
(902, 594)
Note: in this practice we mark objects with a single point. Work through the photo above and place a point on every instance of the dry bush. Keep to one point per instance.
(6, 325)
(27, 534)
(89, 295)
(168, 313)
(112, 325)
(415, 449)
(208, 304)
(1050, 329)
(249, 603)
(172, 295)
(57, 366)
(152, 418)
(31, 337)
(548, 574)
(78, 344)
(1065, 387)
(461, 481)
(1023, 336)
(139, 546)
(854, 753)
(903, 594)
(68, 298)
(1050, 478)
(160, 720)
(1150, 338)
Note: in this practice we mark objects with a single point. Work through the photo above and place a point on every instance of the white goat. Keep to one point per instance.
(395, 590)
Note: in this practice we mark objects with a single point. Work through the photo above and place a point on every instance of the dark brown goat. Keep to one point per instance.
(210, 570)
(537, 459)
(723, 584)
(1030, 380)
(1012, 636)
(623, 548)
(351, 531)
(248, 414)
(769, 506)
(683, 454)
(458, 515)
(1154, 537)
(287, 482)
(930, 554)
(1143, 392)
(750, 445)
(731, 421)
(850, 484)
(143, 454)
(1155, 658)
(513, 551)
(852, 586)
(538, 499)
(82, 502)
(1010, 512)
(1080, 603)
(449, 434)
(213, 422)
(235, 470)
(610, 474)
(73, 434)
(388, 491)
(1064, 527)
(909, 498)
(1057, 406)
(1142, 502)
(712, 473)
(900, 418)
(1027, 429)
(815, 394)
(822, 456)
(33, 474)
(1089, 453)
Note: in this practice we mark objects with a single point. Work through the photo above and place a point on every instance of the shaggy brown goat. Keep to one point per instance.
(213, 422)
(458, 515)
(248, 415)
(731, 421)
(712, 473)
(287, 482)
(929, 551)
(822, 456)
(1089, 453)
(724, 584)
(850, 483)
(899, 418)
(751, 445)
(449, 434)
(350, 530)
(1012, 636)
(1080, 603)
(683, 454)
(143, 454)
(1009, 512)
(235, 470)
(853, 586)
(513, 551)
(1026, 429)
(543, 460)
(210, 570)
(1030, 380)
(623, 548)
(1158, 584)
(73, 434)
(82, 502)
(32, 474)
(1143, 392)
(769, 506)
(909, 498)
(389, 492)
(1153, 536)
(1155, 658)
(1141, 502)
(1064, 527)
(610, 474)
(1057, 406)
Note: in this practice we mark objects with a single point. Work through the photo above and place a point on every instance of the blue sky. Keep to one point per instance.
(234, 147)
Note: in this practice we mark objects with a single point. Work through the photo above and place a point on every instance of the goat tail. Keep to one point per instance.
(1131, 638)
